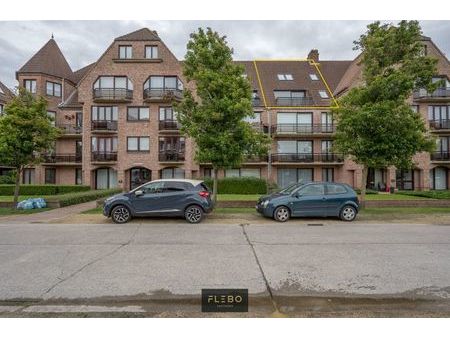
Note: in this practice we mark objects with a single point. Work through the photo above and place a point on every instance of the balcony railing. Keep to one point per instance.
(169, 125)
(300, 128)
(102, 156)
(307, 157)
(62, 158)
(113, 94)
(163, 94)
(439, 124)
(294, 101)
(438, 93)
(68, 128)
(256, 102)
(169, 156)
(440, 156)
(104, 125)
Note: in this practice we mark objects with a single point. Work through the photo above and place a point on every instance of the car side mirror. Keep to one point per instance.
(138, 193)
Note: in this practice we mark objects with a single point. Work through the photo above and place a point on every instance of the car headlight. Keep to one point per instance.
(265, 203)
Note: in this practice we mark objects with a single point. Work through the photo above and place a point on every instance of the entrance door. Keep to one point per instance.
(139, 176)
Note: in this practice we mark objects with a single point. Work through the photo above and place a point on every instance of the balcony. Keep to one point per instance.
(103, 156)
(171, 156)
(440, 124)
(112, 95)
(308, 157)
(169, 125)
(256, 102)
(299, 128)
(104, 126)
(294, 101)
(68, 129)
(62, 158)
(439, 94)
(440, 156)
(162, 94)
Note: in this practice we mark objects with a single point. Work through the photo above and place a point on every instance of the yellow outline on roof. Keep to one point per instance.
(312, 63)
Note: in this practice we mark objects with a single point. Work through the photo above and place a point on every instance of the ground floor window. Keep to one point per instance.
(105, 178)
(287, 177)
(50, 176)
(328, 174)
(376, 179)
(78, 176)
(139, 176)
(405, 179)
(439, 178)
(28, 176)
(243, 172)
(207, 172)
(172, 173)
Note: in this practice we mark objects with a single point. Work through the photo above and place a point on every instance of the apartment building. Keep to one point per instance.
(5, 96)
(119, 127)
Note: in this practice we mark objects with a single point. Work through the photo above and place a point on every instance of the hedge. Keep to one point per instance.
(239, 185)
(368, 192)
(41, 190)
(436, 194)
(82, 197)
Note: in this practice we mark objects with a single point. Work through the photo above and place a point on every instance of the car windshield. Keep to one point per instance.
(290, 189)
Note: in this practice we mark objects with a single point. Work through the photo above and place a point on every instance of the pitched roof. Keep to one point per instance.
(71, 101)
(333, 71)
(143, 34)
(48, 60)
(78, 74)
(5, 93)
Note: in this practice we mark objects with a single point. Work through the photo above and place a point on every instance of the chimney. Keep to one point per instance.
(313, 55)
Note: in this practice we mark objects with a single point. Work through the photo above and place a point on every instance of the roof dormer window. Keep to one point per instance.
(151, 52)
(125, 52)
(285, 77)
(314, 77)
(323, 94)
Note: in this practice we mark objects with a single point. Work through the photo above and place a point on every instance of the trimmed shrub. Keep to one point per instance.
(41, 190)
(239, 185)
(436, 194)
(82, 197)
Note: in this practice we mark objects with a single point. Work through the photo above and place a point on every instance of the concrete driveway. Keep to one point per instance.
(91, 263)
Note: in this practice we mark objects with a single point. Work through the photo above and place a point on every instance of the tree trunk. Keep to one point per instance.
(362, 200)
(215, 179)
(16, 189)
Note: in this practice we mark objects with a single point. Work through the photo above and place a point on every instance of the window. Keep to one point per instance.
(154, 188)
(1, 109)
(287, 177)
(243, 172)
(138, 143)
(313, 77)
(104, 144)
(438, 113)
(439, 178)
(50, 175)
(113, 82)
(104, 113)
(28, 176)
(244, 76)
(253, 119)
(30, 85)
(334, 189)
(313, 190)
(78, 176)
(163, 82)
(151, 52)
(176, 186)
(138, 114)
(53, 89)
(328, 174)
(415, 108)
(323, 94)
(105, 178)
(167, 114)
(52, 116)
(125, 52)
(207, 172)
(285, 77)
(443, 81)
(172, 173)
(289, 93)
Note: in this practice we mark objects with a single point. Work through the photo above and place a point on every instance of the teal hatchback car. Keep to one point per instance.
(315, 199)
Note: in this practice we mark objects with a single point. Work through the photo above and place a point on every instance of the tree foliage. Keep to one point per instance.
(213, 115)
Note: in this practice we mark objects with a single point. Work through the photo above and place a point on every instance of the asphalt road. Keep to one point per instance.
(62, 264)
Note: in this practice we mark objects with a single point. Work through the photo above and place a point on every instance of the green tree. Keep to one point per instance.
(213, 116)
(26, 132)
(376, 126)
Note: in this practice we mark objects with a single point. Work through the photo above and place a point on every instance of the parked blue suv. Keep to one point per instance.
(315, 199)
(167, 197)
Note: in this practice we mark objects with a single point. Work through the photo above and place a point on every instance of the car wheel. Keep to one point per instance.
(120, 214)
(193, 214)
(281, 214)
(348, 213)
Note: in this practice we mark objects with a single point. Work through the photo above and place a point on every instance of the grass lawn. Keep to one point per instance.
(9, 211)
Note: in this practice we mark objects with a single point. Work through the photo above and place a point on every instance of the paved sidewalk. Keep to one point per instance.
(50, 215)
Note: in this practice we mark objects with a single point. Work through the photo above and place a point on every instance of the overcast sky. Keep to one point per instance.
(82, 42)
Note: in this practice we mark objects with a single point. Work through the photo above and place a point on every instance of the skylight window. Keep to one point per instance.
(323, 94)
(313, 77)
(285, 77)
